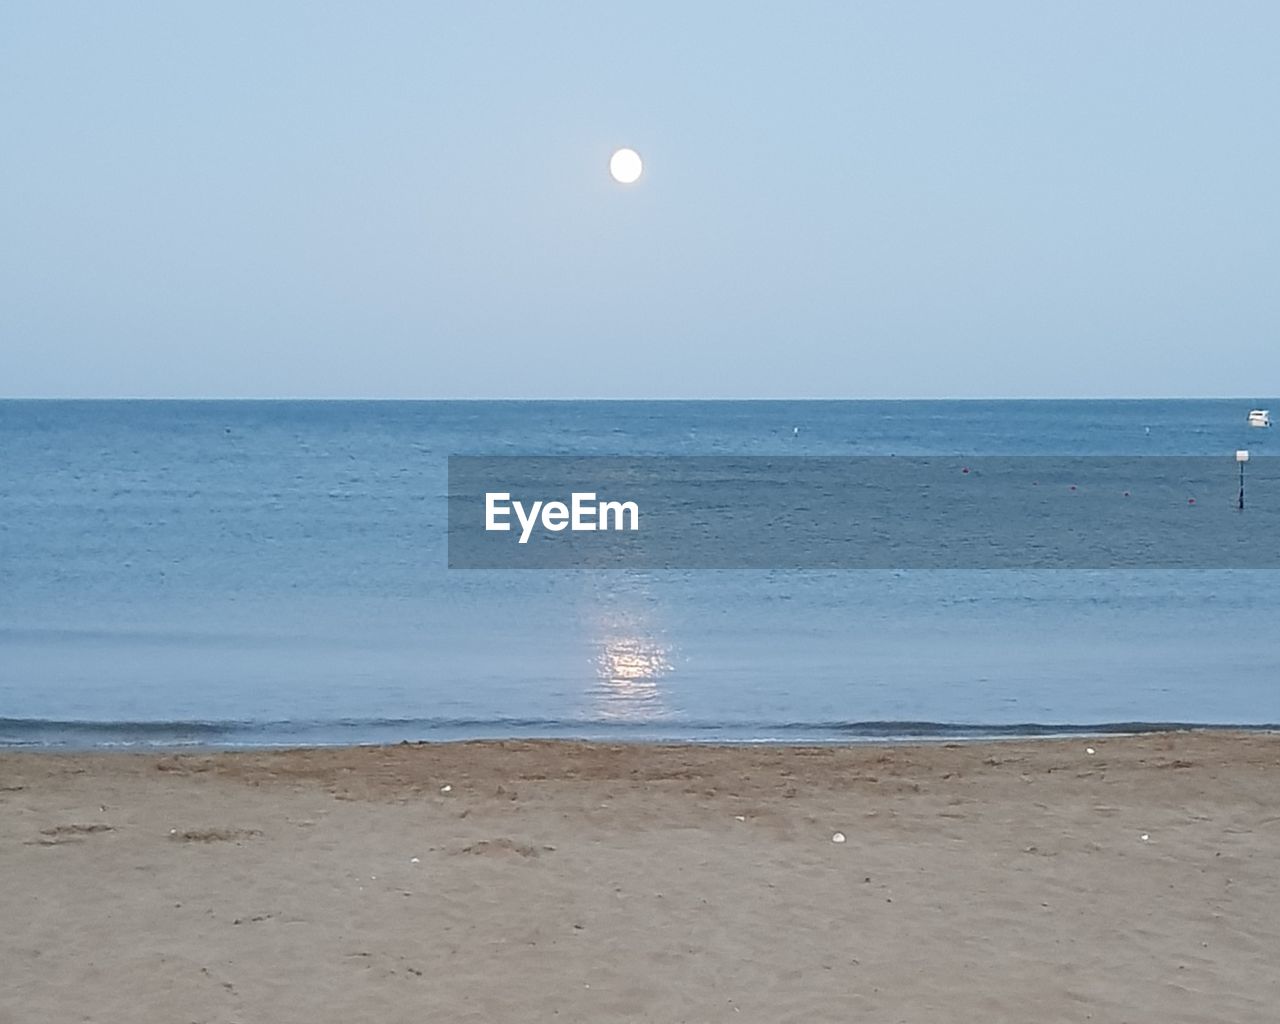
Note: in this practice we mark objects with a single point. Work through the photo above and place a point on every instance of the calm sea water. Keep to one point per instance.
(232, 573)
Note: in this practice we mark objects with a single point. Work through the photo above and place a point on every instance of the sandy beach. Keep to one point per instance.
(517, 881)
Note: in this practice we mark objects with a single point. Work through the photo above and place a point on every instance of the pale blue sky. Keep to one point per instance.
(840, 200)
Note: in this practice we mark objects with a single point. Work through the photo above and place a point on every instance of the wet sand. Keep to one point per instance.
(567, 881)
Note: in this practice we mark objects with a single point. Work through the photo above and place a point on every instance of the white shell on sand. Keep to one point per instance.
(838, 837)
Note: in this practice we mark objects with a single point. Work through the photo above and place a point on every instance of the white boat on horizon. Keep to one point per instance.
(1259, 417)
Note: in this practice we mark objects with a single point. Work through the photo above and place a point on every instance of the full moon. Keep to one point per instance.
(625, 166)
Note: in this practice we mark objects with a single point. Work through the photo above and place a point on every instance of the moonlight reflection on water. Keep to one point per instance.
(629, 671)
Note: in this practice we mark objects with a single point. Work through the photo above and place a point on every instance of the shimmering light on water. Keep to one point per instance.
(631, 671)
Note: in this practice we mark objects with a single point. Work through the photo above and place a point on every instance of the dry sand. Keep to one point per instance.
(567, 881)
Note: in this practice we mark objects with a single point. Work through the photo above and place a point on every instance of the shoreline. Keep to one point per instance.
(524, 880)
(913, 733)
(1227, 742)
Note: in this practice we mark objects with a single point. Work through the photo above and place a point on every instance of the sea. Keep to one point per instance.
(228, 574)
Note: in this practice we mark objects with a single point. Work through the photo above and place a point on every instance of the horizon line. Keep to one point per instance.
(636, 399)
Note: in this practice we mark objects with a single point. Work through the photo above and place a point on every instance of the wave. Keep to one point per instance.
(80, 734)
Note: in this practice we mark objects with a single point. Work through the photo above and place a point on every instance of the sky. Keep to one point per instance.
(840, 200)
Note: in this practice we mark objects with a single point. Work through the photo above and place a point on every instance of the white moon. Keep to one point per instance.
(625, 166)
